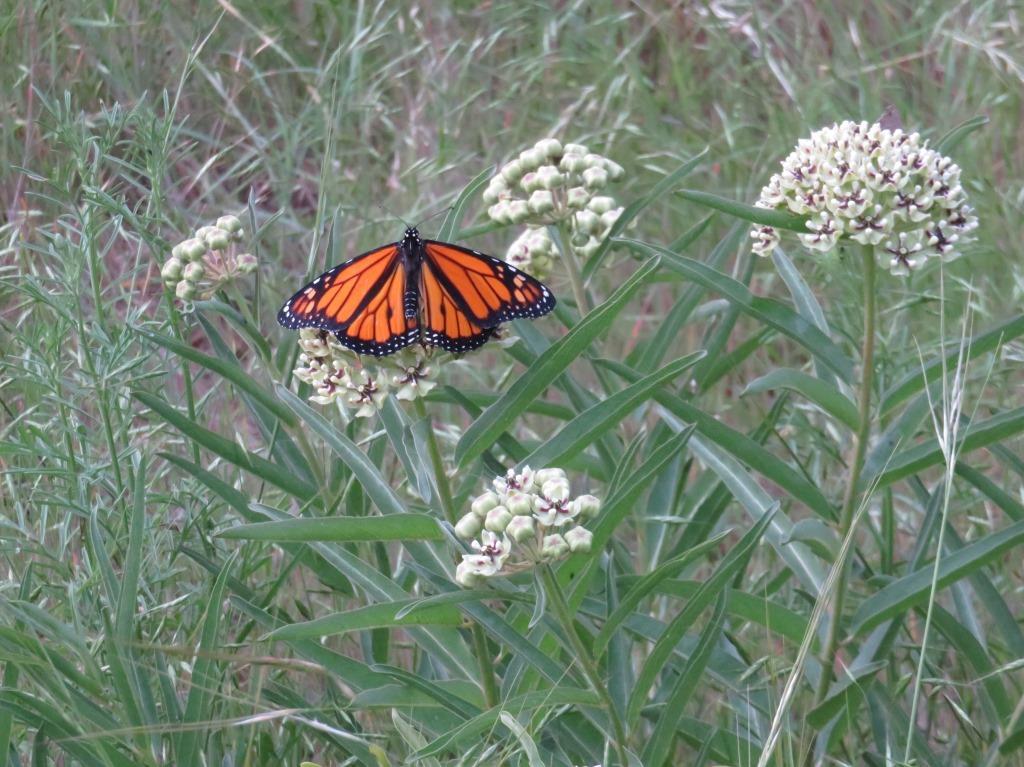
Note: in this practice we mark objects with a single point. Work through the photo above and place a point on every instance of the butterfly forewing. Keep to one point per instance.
(337, 296)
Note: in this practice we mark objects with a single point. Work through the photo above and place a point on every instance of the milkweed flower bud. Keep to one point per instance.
(485, 503)
(194, 272)
(218, 239)
(193, 249)
(547, 475)
(550, 147)
(468, 527)
(542, 201)
(875, 186)
(521, 529)
(577, 198)
(229, 224)
(467, 574)
(586, 506)
(579, 540)
(172, 270)
(555, 490)
(497, 519)
(595, 177)
(512, 172)
(531, 159)
(185, 290)
(518, 211)
(519, 504)
(554, 547)
(247, 263)
(549, 178)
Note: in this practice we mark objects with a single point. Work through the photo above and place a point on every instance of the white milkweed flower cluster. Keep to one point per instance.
(551, 183)
(874, 186)
(531, 509)
(201, 264)
(336, 375)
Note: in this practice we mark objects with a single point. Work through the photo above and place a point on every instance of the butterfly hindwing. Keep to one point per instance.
(360, 301)
(487, 289)
(445, 323)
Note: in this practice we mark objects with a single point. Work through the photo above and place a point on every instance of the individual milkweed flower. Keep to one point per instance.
(512, 481)
(874, 186)
(533, 251)
(492, 552)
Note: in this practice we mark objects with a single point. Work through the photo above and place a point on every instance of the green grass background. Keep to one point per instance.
(126, 125)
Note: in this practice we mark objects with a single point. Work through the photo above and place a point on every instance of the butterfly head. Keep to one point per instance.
(412, 235)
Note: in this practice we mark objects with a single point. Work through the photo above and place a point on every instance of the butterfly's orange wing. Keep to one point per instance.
(487, 290)
(360, 301)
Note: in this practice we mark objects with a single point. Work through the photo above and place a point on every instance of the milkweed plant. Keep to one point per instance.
(504, 617)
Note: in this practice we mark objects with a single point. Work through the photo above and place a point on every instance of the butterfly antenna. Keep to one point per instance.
(391, 213)
(434, 215)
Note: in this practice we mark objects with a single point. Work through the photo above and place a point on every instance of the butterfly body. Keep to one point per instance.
(428, 291)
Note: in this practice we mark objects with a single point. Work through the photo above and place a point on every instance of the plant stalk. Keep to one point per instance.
(579, 292)
(850, 498)
(488, 679)
(556, 599)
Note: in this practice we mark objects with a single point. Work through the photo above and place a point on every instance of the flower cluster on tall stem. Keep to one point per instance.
(209, 259)
(531, 511)
(560, 186)
(873, 186)
(338, 375)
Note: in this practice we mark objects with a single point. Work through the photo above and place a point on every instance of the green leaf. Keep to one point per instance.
(204, 683)
(657, 749)
(635, 208)
(585, 428)
(646, 586)
(984, 342)
(979, 434)
(768, 311)
(732, 563)
(486, 722)
(232, 372)
(905, 592)
(227, 449)
(383, 615)
(765, 216)
(486, 429)
(376, 487)
(955, 137)
(820, 392)
(741, 446)
(454, 217)
(390, 527)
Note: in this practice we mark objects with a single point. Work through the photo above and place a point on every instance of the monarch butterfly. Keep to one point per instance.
(416, 290)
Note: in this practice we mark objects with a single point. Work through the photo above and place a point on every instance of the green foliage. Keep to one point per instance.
(205, 568)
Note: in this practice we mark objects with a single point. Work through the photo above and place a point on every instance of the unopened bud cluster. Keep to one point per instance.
(551, 183)
(204, 262)
(874, 186)
(337, 375)
(531, 511)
